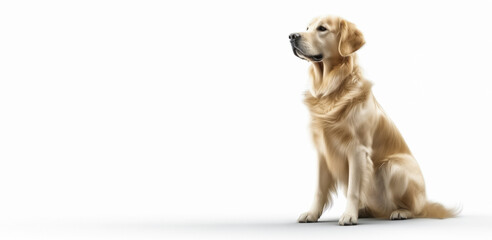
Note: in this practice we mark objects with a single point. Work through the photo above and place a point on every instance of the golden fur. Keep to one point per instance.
(359, 148)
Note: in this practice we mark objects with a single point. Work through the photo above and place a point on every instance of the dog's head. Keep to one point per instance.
(326, 37)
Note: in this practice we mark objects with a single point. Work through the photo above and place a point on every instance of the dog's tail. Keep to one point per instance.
(437, 210)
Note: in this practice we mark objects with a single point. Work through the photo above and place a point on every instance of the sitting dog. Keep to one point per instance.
(358, 146)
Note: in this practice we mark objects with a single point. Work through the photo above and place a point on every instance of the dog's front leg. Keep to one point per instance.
(322, 197)
(357, 163)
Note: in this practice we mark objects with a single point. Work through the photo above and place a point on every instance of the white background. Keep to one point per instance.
(132, 116)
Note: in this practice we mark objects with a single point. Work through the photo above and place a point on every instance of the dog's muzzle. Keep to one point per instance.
(294, 38)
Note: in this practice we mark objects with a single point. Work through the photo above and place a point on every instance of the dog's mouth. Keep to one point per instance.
(298, 52)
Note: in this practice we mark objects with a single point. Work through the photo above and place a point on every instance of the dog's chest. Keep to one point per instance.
(328, 115)
(337, 124)
(331, 128)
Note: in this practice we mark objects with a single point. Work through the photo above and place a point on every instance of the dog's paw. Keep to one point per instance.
(308, 217)
(400, 214)
(348, 219)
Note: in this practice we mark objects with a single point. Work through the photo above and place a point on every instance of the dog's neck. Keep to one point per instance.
(328, 75)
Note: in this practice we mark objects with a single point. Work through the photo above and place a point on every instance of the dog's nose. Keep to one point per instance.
(294, 36)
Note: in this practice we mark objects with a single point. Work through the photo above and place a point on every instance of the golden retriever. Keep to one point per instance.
(358, 146)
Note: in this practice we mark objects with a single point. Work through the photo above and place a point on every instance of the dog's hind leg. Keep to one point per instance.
(405, 186)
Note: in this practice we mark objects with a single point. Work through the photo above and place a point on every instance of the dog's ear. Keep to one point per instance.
(351, 39)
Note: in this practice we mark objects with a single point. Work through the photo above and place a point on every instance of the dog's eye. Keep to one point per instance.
(307, 28)
(321, 29)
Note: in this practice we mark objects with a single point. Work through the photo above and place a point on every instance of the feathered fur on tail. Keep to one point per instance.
(437, 210)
